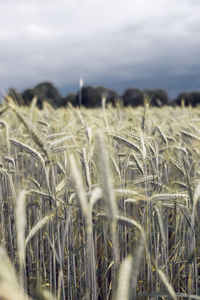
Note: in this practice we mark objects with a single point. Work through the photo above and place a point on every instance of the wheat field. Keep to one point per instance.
(99, 204)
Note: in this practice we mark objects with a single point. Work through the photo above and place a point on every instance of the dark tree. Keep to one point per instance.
(192, 98)
(92, 97)
(195, 96)
(71, 98)
(183, 97)
(133, 97)
(45, 92)
(158, 97)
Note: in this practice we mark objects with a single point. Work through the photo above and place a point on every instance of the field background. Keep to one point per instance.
(99, 203)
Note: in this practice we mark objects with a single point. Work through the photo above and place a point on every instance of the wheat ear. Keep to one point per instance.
(36, 228)
(28, 149)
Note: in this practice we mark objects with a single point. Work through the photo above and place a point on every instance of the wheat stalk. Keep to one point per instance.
(126, 142)
(28, 149)
(86, 168)
(190, 135)
(169, 197)
(162, 135)
(124, 281)
(40, 224)
(79, 187)
(86, 211)
(20, 227)
(7, 272)
(107, 188)
(169, 287)
(36, 137)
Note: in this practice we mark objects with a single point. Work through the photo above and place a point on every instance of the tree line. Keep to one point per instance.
(91, 97)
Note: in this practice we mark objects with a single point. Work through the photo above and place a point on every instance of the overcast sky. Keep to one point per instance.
(116, 43)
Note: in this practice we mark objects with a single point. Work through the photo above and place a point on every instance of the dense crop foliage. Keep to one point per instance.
(99, 204)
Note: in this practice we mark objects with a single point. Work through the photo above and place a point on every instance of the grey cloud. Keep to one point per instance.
(159, 49)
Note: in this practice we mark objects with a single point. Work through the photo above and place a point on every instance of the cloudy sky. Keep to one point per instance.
(116, 43)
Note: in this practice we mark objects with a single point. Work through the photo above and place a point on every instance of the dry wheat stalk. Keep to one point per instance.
(170, 197)
(138, 164)
(169, 287)
(36, 137)
(20, 216)
(7, 272)
(124, 281)
(28, 149)
(40, 224)
(161, 225)
(60, 141)
(190, 135)
(79, 187)
(164, 138)
(126, 142)
(86, 168)
(107, 188)
(126, 193)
